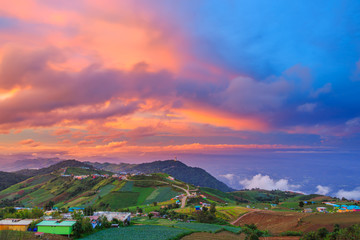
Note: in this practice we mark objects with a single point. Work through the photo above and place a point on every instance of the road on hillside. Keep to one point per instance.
(184, 198)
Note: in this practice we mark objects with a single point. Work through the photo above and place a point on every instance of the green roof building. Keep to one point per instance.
(56, 227)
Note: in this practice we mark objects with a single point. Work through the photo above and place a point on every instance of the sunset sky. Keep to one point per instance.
(147, 80)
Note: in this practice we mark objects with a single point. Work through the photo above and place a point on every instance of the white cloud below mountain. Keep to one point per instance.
(267, 183)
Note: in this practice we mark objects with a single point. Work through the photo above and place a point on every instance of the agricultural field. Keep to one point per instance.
(84, 171)
(230, 213)
(227, 213)
(224, 235)
(216, 195)
(277, 222)
(158, 229)
(127, 187)
(117, 200)
(153, 221)
(327, 220)
(206, 227)
(19, 235)
(161, 194)
(138, 232)
(144, 193)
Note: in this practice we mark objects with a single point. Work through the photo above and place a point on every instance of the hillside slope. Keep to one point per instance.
(52, 168)
(8, 179)
(177, 169)
(102, 193)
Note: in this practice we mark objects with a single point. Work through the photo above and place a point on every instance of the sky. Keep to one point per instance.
(138, 80)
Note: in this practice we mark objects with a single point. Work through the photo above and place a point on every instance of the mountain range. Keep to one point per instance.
(177, 169)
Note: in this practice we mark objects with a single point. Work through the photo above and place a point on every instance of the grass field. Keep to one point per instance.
(144, 193)
(206, 227)
(84, 171)
(127, 187)
(161, 194)
(159, 229)
(214, 236)
(230, 213)
(194, 227)
(344, 219)
(138, 232)
(117, 200)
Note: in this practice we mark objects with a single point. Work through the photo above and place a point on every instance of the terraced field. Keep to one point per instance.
(214, 236)
(206, 227)
(117, 200)
(160, 230)
(127, 187)
(161, 194)
(137, 232)
(230, 213)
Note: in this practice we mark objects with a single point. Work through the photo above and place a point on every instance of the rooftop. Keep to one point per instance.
(16, 221)
(57, 223)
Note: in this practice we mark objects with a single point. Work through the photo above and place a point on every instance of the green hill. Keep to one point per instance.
(100, 192)
(7, 179)
(177, 169)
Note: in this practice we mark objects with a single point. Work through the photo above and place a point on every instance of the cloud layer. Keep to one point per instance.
(267, 183)
(77, 78)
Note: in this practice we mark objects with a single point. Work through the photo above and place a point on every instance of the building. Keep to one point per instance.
(155, 214)
(56, 227)
(307, 210)
(15, 224)
(321, 209)
(124, 217)
(94, 220)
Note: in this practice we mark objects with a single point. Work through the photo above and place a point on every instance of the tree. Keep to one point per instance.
(301, 204)
(322, 233)
(139, 210)
(104, 222)
(150, 215)
(49, 205)
(88, 211)
(213, 208)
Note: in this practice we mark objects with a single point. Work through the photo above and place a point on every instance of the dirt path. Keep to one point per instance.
(184, 198)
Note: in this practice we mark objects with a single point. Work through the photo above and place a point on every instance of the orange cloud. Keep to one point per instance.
(221, 118)
(29, 142)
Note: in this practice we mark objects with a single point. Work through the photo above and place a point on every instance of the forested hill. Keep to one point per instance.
(177, 169)
(8, 179)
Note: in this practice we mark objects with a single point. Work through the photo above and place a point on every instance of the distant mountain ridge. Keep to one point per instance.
(177, 169)
(35, 163)
(52, 168)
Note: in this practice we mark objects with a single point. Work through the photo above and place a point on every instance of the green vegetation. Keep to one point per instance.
(116, 200)
(85, 171)
(127, 187)
(352, 232)
(10, 212)
(161, 194)
(206, 227)
(8, 179)
(16, 235)
(139, 232)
